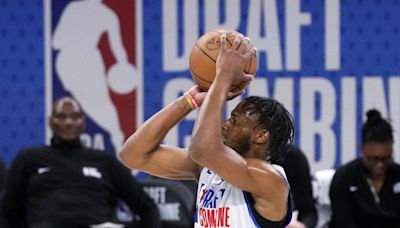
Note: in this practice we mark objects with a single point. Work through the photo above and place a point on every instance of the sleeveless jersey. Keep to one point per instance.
(220, 204)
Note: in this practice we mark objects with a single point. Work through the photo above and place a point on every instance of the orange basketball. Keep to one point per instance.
(204, 55)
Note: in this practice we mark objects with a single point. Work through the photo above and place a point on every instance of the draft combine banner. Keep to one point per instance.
(328, 61)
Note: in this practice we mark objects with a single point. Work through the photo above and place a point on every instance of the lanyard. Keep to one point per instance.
(373, 190)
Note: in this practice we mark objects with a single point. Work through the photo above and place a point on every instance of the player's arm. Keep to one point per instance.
(143, 150)
(207, 147)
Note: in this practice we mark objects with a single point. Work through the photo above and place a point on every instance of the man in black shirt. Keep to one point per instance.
(67, 185)
(366, 191)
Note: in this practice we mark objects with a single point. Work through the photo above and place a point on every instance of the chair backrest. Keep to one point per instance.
(174, 199)
(321, 183)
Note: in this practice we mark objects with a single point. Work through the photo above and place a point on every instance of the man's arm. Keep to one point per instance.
(143, 150)
(131, 192)
(15, 193)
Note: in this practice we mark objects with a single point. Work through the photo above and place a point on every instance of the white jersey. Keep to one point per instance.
(220, 204)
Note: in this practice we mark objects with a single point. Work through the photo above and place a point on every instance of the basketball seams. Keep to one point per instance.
(248, 68)
(198, 76)
(205, 53)
(204, 56)
(200, 81)
(229, 42)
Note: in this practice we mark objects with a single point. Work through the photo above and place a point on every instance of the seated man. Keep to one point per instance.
(67, 185)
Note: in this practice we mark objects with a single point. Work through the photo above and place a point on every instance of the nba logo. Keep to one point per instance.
(93, 53)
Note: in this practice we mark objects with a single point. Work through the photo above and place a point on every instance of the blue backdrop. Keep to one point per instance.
(327, 61)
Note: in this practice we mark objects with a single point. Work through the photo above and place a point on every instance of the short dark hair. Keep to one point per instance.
(278, 121)
(376, 129)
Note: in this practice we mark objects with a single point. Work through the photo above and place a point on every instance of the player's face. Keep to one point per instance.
(237, 131)
(67, 120)
(377, 157)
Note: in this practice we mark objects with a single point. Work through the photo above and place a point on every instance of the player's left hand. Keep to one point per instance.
(198, 94)
(247, 78)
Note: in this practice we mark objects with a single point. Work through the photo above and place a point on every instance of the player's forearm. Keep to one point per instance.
(149, 136)
(207, 140)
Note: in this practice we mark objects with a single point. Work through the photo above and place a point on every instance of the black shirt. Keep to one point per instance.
(298, 175)
(67, 185)
(262, 221)
(353, 203)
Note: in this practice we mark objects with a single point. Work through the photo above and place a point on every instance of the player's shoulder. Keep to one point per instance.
(263, 169)
(259, 163)
(265, 175)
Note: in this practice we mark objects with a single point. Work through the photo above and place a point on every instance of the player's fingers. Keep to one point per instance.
(248, 78)
(244, 45)
(223, 42)
(232, 95)
(251, 53)
(195, 89)
(236, 43)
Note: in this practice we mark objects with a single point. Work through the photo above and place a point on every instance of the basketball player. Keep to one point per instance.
(237, 184)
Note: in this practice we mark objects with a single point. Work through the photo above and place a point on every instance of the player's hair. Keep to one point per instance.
(376, 129)
(278, 121)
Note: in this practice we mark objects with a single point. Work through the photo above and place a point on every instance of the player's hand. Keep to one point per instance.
(232, 61)
(197, 94)
(247, 78)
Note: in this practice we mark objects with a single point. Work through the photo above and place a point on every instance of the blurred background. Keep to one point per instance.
(328, 61)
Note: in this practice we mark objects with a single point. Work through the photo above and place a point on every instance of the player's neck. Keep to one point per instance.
(256, 152)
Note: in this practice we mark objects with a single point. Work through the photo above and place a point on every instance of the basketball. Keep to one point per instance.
(203, 58)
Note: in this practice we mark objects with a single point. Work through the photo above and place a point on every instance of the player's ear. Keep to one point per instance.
(262, 136)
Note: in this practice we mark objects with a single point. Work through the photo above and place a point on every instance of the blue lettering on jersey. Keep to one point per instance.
(210, 199)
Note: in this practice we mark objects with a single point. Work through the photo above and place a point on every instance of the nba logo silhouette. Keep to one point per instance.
(93, 53)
